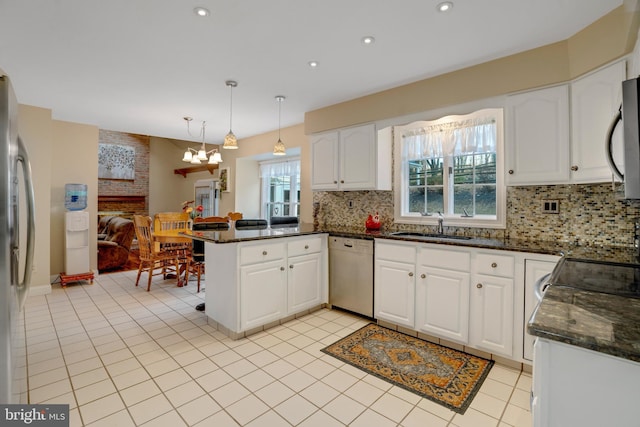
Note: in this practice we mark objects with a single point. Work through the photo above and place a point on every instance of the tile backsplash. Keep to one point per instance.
(589, 214)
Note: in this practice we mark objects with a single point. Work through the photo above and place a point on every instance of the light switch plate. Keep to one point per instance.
(551, 206)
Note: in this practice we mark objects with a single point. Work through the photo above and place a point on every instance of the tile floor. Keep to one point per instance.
(120, 356)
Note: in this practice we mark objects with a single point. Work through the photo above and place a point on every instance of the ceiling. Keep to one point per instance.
(141, 66)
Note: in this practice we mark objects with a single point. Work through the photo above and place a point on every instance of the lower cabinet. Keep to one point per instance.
(257, 283)
(467, 295)
(395, 292)
(304, 282)
(492, 314)
(442, 303)
(263, 293)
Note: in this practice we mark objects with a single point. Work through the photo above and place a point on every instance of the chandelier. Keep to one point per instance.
(197, 157)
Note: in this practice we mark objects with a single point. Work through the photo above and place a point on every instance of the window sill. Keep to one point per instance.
(473, 222)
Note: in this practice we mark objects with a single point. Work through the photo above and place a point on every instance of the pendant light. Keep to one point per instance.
(230, 142)
(196, 157)
(279, 149)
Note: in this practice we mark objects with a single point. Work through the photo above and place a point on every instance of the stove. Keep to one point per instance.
(597, 276)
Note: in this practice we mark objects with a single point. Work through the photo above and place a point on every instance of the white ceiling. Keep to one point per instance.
(141, 65)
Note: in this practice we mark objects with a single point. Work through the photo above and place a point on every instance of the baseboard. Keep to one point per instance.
(40, 289)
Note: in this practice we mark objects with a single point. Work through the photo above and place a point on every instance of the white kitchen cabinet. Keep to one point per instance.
(595, 99)
(492, 303)
(304, 281)
(324, 161)
(354, 158)
(263, 293)
(573, 386)
(394, 287)
(442, 303)
(260, 282)
(535, 270)
(442, 293)
(537, 136)
(492, 314)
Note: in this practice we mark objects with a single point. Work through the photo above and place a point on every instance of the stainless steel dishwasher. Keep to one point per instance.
(351, 274)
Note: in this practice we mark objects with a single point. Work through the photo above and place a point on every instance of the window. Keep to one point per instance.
(451, 166)
(280, 188)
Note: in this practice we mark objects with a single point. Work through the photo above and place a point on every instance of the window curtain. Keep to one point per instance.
(286, 168)
(433, 139)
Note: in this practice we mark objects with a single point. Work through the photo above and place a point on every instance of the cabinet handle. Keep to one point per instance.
(306, 246)
(423, 276)
(291, 266)
(574, 168)
(342, 181)
(479, 286)
(264, 252)
(281, 268)
(335, 182)
(410, 274)
(510, 171)
(494, 264)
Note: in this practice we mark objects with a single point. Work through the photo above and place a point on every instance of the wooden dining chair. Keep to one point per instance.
(173, 222)
(151, 259)
(234, 216)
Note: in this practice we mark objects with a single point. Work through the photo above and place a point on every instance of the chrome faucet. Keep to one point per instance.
(440, 223)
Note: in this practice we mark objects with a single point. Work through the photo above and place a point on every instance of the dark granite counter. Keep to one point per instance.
(612, 254)
(235, 235)
(596, 321)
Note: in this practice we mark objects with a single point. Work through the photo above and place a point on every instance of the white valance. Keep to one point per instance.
(453, 135)
(280, 168)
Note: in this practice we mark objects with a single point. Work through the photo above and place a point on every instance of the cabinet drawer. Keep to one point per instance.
(251, 254)
(495, 264)
(446, 259)
(392, 252)
(304, 246)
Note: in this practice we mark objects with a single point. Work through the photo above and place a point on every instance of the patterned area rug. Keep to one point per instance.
(446, 376)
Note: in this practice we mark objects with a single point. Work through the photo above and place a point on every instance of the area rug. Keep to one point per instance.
(446, 376)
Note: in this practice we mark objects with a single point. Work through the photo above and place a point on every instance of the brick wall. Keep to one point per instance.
(119, 187)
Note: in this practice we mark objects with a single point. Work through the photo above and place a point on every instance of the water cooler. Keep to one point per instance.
(76, 235)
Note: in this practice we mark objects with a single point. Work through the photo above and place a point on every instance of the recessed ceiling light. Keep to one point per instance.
(367, 40)
(313, 64)
(201, 11)
(444, 6)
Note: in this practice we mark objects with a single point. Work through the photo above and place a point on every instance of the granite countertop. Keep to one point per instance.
(596, 321)
(612, 254)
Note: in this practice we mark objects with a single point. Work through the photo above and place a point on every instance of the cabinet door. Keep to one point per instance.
(537, 137)
(595, 99)
(442, 303)
(262, 293)
(533, 271)
(492, 314)
(358, 158)
(304, 282)
(324, 161)
(394, 292)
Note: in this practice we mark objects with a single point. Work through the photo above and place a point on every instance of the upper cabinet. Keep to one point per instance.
(537, 136)
(595, 99)
(355, 158)
(557, 135)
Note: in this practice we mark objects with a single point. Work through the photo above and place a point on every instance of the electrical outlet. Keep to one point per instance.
(350, 203)
(551, 206)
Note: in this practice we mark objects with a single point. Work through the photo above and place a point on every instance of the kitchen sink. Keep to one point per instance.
(417, 235)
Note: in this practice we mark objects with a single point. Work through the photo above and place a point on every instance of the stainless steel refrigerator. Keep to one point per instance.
(17, 228)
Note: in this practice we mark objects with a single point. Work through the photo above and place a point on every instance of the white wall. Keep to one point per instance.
(35, 129)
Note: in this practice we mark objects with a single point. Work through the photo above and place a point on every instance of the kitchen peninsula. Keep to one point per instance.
(259, 277)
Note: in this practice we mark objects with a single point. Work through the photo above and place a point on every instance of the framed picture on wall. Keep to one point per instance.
(116, 162)
(224, 180)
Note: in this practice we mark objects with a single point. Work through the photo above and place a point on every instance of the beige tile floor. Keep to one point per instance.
(121, 356)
